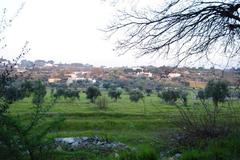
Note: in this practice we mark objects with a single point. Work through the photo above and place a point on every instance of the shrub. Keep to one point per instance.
(72, 94)
(170, 96)
(217, 90)
(135, 95)
(201, 95)
(59, 92)
(206, 121)
(183, 96)
(13, 93)
(39, 92)
(102, 102)
(18, 90)
(92, 93)
(203, 121)
(115, 93)
(148, 91)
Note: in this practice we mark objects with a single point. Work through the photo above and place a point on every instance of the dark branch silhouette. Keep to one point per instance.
(181, 29)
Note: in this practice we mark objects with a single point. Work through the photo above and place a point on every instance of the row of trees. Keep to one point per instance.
(114, 93)
(215, 89)
(66, 93)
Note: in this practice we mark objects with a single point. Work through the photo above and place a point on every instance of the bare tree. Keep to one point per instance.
(180, 29)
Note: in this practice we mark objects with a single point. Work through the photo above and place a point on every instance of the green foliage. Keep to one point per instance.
(197, 155)
(26, 139)
(66, 93)
(13, 93)
(201, 95)
(121, 122)
(71, 94)
(148, 91)
(27, 88)
(3, 105)
(92, 93)
(170, 96)
(135, 95)
(102, 102)
(141, 154)
(39, 92)
(17, 90)
(115, 93)
(223, 149)
(183, 96)
(217, 90)
(59, 92)
(204, 121)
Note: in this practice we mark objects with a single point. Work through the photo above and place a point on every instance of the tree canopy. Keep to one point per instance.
(135, 95)
(217, 90)
(92, 93)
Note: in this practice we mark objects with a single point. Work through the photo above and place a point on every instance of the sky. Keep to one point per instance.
(68, 31)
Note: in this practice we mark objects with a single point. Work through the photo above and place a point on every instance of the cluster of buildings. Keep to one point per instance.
(52, 73)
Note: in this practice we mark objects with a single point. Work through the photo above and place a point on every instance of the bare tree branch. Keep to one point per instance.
(182, 29)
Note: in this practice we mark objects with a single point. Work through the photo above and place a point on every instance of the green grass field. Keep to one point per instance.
(140, 125)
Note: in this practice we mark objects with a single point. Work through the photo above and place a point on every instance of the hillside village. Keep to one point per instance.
(53, 73)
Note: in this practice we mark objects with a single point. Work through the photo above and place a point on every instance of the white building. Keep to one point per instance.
(174, 75)
(53, 80)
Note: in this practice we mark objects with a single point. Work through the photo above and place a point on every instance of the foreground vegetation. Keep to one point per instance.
(146, 126)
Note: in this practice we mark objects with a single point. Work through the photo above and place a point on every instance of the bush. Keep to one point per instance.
(206, 121)
(203, 121)
(39, 92)
(115, 93)
(217, 90)
(183, 97)
(13, 93)
(18, 90)
(148, 91)
(170, 96)
(135, 95)
(102, 102)
(201, 95)
(72, 94)
(92, 93)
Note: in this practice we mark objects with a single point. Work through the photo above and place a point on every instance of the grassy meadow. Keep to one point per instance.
(144, 125)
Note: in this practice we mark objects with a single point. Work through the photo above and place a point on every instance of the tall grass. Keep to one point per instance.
(143, 153)
(102, 102)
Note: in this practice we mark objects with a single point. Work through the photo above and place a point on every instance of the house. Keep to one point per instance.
(53, 80)
(174, 75)
(145, 74)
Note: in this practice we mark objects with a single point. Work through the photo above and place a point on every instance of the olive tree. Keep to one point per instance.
(170, 95)
(115, 93)
(92, 93)
(217, 90)
(135, 95)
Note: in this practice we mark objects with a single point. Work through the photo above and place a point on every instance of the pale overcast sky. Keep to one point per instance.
(67, 31)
